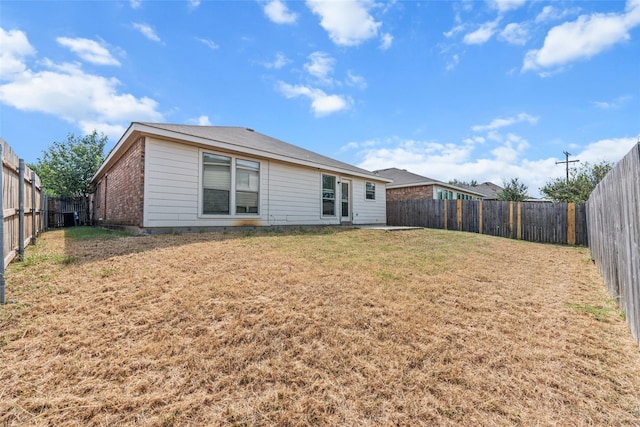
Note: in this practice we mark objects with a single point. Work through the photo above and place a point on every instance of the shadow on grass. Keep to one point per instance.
(88, 244)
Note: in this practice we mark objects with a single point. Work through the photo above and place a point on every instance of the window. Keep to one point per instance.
(444, 194)
(370, 191)
(247, 186)
(216, 183)
(328, 195)
(230, 186)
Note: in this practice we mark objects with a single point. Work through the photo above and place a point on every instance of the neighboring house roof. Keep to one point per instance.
(489, 189)
(403, 178)
(236, 139)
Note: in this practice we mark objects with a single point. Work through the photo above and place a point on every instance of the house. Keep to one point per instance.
(407, 185)
(488, 189)
(172, 177)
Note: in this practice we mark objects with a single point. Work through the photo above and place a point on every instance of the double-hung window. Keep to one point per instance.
(229, 186)
(216, 184)
(370, 191)
(247, 186)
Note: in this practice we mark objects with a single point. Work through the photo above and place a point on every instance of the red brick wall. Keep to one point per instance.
(121, 190)
(408, 193)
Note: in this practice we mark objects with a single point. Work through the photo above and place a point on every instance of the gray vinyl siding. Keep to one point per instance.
(289, 194)
(295, 196)
(369, 211)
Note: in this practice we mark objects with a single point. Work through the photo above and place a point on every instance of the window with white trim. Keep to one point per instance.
(216, 184)
(370, 190)
(247, 186)
(229, 186)
(444, 194)
(328, 195)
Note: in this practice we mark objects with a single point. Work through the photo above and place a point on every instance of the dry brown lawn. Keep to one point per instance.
(323, 327)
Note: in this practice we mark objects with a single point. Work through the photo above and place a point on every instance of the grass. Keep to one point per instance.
(312, 327)
(91, 233)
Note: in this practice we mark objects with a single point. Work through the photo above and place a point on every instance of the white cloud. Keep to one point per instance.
(347, 22)
(356, 80)
(482, 34)
(583, 38)
(511, 149)
(320, 66)
(112, 131)
(550, 13)
(504, 122)
(135, 4)
(15, 48)
(193, 4)
(421, 157)
(66, 91)
(612, 105)
(210, 43)
(516, 34)
(200, 121)
(387, 41)
(280, 61)
(322, 104)
(146, 31)
(278, 12)
(445, 162)
(506, 5)
(89, 50)
(610, 150)
(453, 62)
(455, 30)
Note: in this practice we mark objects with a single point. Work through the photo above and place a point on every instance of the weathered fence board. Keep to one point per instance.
(21, 208)
(68, 211)
(613, 221)
(563, 223)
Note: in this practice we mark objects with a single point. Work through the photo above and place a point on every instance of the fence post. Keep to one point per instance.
(1, 229)
(21, 210)
(44, 222)
(33, 208)
(571, 223)
(511, 219)
(480, 217)
(519, 232)
(445, 214)
(459, 214)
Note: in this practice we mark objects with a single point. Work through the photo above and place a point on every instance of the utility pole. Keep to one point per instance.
(567, 161)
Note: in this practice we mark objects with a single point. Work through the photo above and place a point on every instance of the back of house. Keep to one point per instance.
(170, 177)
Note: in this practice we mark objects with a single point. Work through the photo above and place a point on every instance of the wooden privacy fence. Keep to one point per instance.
(22, 208)
(613, 221)
(68, 212)
(545, 222)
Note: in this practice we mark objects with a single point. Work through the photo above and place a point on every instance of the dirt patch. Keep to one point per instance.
(358, 327)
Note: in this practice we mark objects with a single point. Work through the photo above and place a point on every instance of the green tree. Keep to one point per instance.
(66, 168)
(513, 191)
(472, 183)
(580, 184)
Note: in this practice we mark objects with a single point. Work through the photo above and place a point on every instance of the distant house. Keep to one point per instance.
(171, 177)
(488, 189)
(406, 185)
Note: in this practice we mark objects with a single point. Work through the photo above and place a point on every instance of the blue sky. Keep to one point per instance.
(469, 90)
